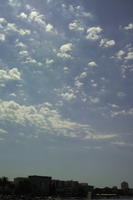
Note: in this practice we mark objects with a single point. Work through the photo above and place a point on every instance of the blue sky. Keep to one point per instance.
(66, 82)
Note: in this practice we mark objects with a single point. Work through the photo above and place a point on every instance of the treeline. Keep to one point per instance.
(6, 186)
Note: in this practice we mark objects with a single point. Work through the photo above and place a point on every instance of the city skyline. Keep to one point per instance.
(66, 82)
(47, 186)
(122, 185)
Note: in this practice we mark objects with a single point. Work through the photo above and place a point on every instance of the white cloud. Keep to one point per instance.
(67, 93)
(20, 44)
(107, 43)
(122, 113)
(66, 69)
(49, 28)
(93, 83)
(101, 137)
(121, 94)
(114, 105)
(28, 7)
(92, 64)
(87, 14)
(49, 1)
(119, 143)
(122, 144)
(44, 118)
(78, 11)
(68, 96)
(49, 61)
(94, 99)
(24, 53)
(13, 95)
(66, 47)
(64, 55)
(24, 31)
(12, 74)
(40, 20)
(76, 26)
(2, 131)
(2, 20)
(14, 3)
(23, 15)
(83, 75)
(2, 37)
(129, 56)
(30, 60)
(74, 8)
(2, 84)
(78, 84)
(13, 27)
(64, 50)
(36, 17)
(128, 27)
(120, 54)
(93, 33)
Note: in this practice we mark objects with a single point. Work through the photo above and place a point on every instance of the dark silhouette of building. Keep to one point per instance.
(41, 184)
(34, 184)
(45, 185)
(124, 185)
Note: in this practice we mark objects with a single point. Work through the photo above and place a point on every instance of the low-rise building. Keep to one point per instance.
(40, 184)
(124, 185)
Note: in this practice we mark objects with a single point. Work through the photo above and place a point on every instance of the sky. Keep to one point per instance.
(66, 90)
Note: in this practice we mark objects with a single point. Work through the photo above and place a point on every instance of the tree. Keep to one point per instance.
(4, 183)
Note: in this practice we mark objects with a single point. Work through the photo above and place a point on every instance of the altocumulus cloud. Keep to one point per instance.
(2, 37)
(76, 26)
(2, 131)
(92, 64)
(65, 50)
(12, 74)
(107, 43)
(60, 61)
(36, 18)
(128, 27)
(46, 119)
(94, 33)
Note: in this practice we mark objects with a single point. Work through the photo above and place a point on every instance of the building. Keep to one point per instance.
(22, 185)
(45, 185)
(34, 184)
(124, 185)
(40, 184)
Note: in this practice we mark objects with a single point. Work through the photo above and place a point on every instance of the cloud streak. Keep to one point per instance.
(47, 120)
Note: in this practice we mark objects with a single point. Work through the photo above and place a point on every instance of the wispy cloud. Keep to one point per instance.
(46, 119)
(2, 131)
